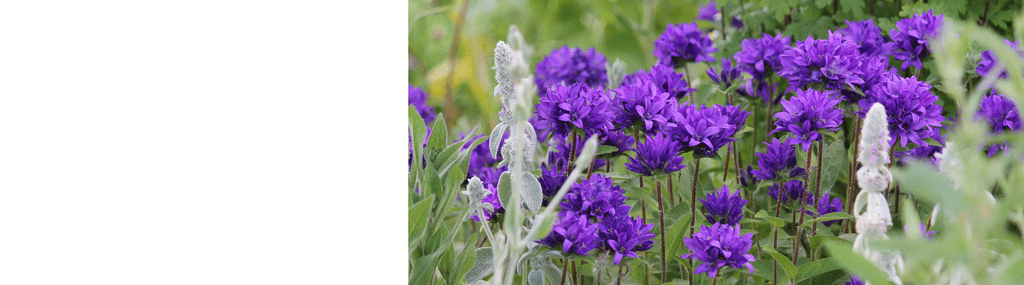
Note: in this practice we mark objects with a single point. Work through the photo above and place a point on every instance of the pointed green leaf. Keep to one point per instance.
(787, 265)
(827, 217)
(481, 267)
(815, 268)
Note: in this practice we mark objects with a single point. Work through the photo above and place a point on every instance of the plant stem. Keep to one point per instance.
(851, 190)
(728, 159)
(565, 268)
(817, 184)
(693, 202)
(803, 202)
(671, 197)
(618, 280)
(661, 225)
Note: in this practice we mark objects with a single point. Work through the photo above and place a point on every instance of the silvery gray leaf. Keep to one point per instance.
(532, 193)
(482, 266)
(495, 137)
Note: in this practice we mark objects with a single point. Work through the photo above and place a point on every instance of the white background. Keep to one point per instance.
(203, 142)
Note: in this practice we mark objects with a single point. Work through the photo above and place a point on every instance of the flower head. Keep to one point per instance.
(834, 63)
(1001, 114)
(791, 190)
(728, 74)
(569, 66)
(724, 207)
(760, 56)
(989, 61)
(643, 104)
(617, 139)
(551, 179)
(807, 114)
(910, 108)
(573, 233)
(911, 37)
(625, 236)
(657, 154)
(707, 12)
(418, 98)
(576, 107)
(596, 197)
(683, 43)
(664, 77)
(825, 206)
(707, 129)
(778, 161)
(868, 37)
(720, 246)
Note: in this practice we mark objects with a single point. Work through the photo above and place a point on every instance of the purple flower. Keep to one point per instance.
(854, 280)
(664, 77)
(418, 98)
(728, 73)
(560, 154)
(570, 66)
(988, 60)
(707, 12)
(911, 37)
(868, 37)
(596, 197)
(910, 108)
(577, 107)
(644, 105)
(625, 236)
(551, 179)
(807, 114)
(930, 235)
(718, 246)
(826, 206)
(573, 233)
(705, 130)
(1001, 114)
(834, 63)
(736, 22)
(657, 154)
(747, 177)
(790, 190)
(762, 90)
(760, 56)
(495, 203)
(617, 139)
(876, 71)
(724, 207)
(777, 162)
(683, 43)
(922, 153)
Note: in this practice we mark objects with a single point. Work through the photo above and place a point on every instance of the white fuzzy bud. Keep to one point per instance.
(475, 191)
(503, 73)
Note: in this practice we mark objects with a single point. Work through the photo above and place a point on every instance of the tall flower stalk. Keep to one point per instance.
(871, 209)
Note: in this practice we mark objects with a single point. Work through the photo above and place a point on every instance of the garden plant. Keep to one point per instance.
(722, 142)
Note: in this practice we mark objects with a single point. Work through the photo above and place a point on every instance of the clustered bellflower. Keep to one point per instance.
(834, 62)
(790, 190)
(596, 197)
(707, 129)
(1001, 114)
(827, 205)
(707, 12)
(807, 114)
(625, 236)
(759, 57)
(569, 66)
(683, 43)
(910, 108)
(643, 104)
(657, 154)
(664, 77)
(728, 74)
(911, 37)
(724, 207)
(572, 233)
(418, 98)
(868, 37)
(777, 161)
(988, 60)
(720, 246)
(576, 107)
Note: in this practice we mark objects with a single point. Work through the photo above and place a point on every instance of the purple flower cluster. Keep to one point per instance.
(988, 61)
(760, 56)
(594, 215)
(576, 107)
(827, 205)
(1001, 114)
(418, 98)
(664, 77)
(868, 37)
(641, 103)
(911, 37)
(807, 114)
(657, 154)
(910, 107)
(791, 190)
(728, 74)
(707, 129)
(777, 162)
(720, 246)
(707, 12)
(833, 63)
(570, 66)
(724, 207)
(683, 43)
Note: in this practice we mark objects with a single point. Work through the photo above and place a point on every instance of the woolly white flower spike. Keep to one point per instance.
(522, 51)
(871, 209)
(502, 66)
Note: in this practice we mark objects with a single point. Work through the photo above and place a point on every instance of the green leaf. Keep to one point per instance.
(423, 269)
(431, 182)
(815, 268)
(674, 235)
(452, 187)
(464, 260)
(481, 267)
(827, 217)
(856, 264)
(775, 222)
(505, 188)
(545, 227)
(787, 265)
(606, 149)
(418, 216)
(820, 240)
(438, 138)
(834, 162)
